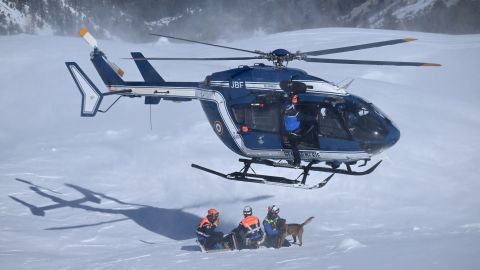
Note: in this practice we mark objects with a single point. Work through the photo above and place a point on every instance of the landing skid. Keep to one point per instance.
(244, 176)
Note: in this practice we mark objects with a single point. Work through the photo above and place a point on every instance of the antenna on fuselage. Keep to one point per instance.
(151, 125)
(345, 86)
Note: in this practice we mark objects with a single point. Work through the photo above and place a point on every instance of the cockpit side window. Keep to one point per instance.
(308, 125)
(330, 124)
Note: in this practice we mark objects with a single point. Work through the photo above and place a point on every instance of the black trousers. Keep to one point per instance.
(293, 139)
(216, 237)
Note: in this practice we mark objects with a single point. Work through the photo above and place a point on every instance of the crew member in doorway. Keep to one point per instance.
(291, 120)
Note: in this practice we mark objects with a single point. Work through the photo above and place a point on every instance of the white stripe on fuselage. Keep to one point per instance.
(313, 86)
(219, 99)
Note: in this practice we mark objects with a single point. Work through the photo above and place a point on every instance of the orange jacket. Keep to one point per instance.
(206, 227)
(204, 222)
(250, 224)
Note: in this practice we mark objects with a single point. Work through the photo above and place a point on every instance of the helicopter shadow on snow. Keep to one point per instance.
(176, 224)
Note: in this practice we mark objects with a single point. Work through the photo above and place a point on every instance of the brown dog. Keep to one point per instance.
(294, 230)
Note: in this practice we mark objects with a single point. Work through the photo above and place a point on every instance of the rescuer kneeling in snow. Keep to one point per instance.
(249, 233)
(274, 228)
(206, 234)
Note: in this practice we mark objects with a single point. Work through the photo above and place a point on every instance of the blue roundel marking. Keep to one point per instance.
(217, 125)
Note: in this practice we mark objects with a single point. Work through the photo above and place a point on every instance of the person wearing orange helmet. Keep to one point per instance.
(206, 234)
(249, 232)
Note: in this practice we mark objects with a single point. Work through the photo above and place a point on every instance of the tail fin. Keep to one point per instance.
(108, 71)
(149, 74)
(91, 96)
(306, 221)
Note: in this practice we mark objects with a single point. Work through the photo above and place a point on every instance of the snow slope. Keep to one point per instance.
(109, 193)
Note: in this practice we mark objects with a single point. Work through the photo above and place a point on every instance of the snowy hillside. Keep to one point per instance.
(231, 19)
(109, 193)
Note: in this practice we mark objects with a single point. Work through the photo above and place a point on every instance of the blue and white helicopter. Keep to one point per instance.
(246, 109)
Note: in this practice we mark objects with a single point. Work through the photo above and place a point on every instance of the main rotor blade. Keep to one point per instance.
(197, 58)
(359, 47)
(368, 62)
(209, 44)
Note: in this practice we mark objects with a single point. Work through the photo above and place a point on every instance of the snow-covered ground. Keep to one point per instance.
(109, 193)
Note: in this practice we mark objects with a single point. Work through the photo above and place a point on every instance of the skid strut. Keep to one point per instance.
(243, 175)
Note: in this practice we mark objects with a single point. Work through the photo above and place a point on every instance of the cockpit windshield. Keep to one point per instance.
(363, 120)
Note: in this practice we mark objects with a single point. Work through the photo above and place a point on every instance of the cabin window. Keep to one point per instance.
(330, 124)
(309, 126)
(258, 118)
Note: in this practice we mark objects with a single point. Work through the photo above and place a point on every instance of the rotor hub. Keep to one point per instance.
(280, 52)
(279, 56)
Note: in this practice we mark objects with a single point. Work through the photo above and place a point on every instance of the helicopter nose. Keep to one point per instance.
(393, 136)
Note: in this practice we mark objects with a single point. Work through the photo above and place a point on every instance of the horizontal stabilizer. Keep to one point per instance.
(91, 96)
(148, 72)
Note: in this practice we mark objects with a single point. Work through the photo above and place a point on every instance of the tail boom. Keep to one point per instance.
(175, 91)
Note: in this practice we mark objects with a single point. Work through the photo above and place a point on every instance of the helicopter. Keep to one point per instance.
(246, 108)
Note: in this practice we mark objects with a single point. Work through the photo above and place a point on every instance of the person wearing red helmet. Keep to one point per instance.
(206, 234)
(292, 126)
(298, 124)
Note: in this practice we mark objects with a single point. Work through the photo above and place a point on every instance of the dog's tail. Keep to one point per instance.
(306, 221)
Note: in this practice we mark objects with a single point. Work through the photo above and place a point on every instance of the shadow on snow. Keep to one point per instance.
(175, 224)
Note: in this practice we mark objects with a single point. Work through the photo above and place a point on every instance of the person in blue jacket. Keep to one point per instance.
(291, 120)
(274, 228)
(297, 125)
